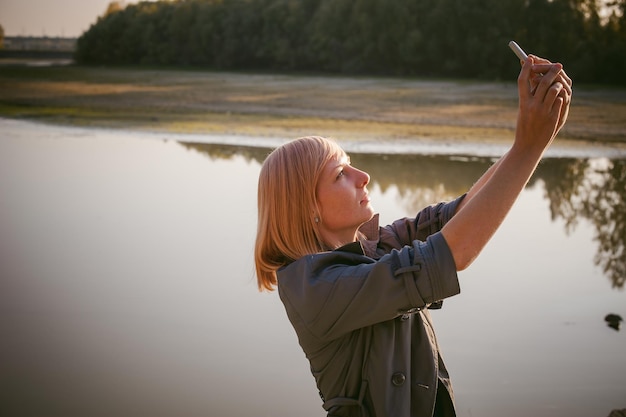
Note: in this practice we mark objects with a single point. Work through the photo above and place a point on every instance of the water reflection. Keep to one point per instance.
(577, 189)
(594, 190)
(127, 286)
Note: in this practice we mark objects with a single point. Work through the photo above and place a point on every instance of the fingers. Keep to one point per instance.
(539, 60)
(533, 74)
(547, 81)
(523, 80)
(566, 90)
(542, 66)
(558, 95)
(565, 84)
(545, 93)
(566, 81)
(555, 96)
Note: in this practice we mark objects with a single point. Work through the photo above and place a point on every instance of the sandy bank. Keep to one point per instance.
(367, 111)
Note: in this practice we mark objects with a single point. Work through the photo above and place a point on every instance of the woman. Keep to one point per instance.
(358, 294)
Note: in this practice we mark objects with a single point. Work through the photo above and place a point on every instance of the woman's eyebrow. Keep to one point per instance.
(339, 163)
(338, 166)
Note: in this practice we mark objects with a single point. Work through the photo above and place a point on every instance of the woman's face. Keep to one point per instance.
(343, 201)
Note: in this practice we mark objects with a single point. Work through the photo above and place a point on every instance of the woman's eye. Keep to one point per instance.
(340, 174)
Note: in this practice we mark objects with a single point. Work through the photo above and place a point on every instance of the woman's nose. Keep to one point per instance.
(364, 178)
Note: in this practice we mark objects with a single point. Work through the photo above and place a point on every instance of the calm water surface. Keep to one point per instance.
(127, 284)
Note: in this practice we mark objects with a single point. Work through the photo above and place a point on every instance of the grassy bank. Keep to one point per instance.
(290, 106)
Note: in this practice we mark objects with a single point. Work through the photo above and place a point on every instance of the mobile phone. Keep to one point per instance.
(518, 51)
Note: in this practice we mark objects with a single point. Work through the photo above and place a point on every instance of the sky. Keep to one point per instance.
(64, 18)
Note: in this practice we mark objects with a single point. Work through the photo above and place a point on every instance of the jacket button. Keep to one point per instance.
(404, 317)
(398, 379)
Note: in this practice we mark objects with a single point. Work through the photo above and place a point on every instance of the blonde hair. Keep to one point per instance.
(287, 205)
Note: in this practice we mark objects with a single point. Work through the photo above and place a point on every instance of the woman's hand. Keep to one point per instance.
(566, 92)
(545, 93)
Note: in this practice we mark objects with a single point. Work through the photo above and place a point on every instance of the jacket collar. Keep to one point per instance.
(368, 243)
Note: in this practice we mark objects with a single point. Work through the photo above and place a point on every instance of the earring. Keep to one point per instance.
(317, 219)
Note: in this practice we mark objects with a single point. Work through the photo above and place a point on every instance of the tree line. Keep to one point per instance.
(434, 38)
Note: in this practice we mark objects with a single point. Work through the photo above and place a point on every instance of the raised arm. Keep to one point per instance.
(543, 108)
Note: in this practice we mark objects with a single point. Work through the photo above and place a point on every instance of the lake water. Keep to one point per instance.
(127, 284)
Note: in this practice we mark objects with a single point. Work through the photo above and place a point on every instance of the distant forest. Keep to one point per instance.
(431, 38)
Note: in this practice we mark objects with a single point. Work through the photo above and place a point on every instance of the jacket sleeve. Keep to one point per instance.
(428, 221)
(330, 294)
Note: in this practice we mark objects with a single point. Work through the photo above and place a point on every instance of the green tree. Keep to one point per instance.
(114, 7)
(443, 38)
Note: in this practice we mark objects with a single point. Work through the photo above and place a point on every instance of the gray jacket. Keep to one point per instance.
(360, 313)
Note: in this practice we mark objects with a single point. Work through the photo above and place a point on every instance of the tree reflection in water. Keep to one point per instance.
(594, 190)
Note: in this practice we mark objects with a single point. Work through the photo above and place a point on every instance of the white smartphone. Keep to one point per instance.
(518, 51)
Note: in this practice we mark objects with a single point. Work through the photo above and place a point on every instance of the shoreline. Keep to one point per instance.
(367, 114)
(561, 148)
